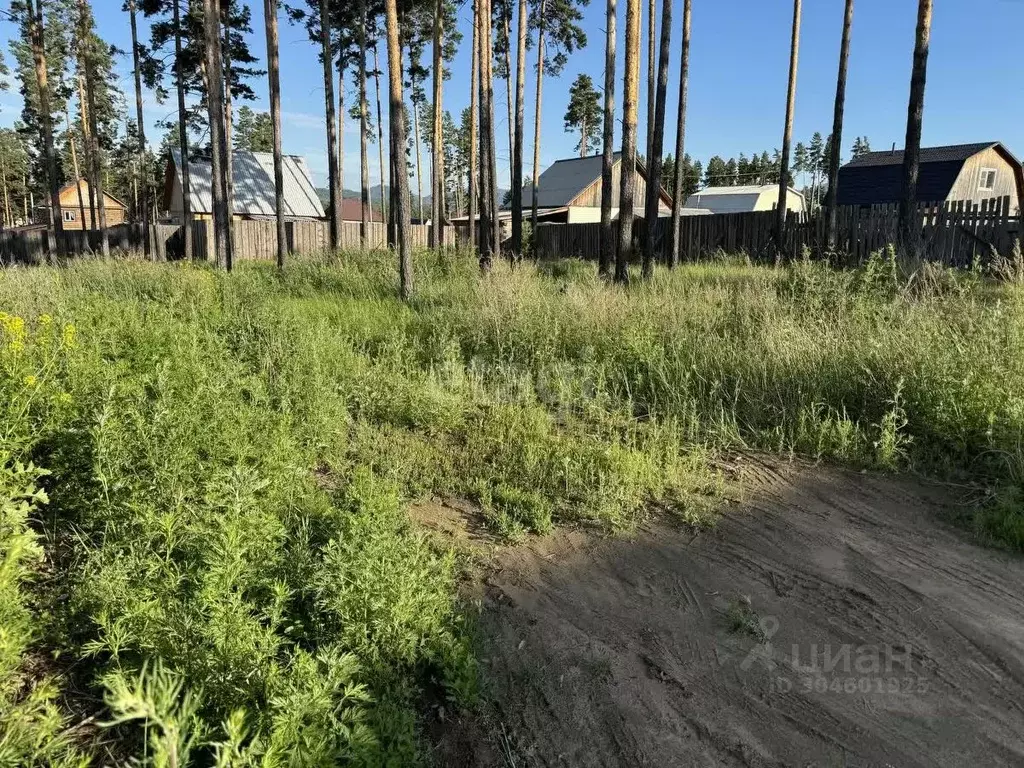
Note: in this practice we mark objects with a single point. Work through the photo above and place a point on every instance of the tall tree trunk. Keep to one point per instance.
(909, 228)
(787, 135)
(486, 133)
(365, 215)
(631, 89)
(380, 137)
(46, 122)
(83, 106)
(652, 26)
(392, 242)
(341, 137)
(608, 148)
(229, 150)
(274, 75)
(536, 118)
(492, 154)
(332, 137)
(654, 161)
(7, 197)
(419, 162)
(144, 208)
(437, 182)
(78, 173)
(186, 199)
(506, 20)
(398, 140)
(677, 192)
(473, 106)
(517, 143)
(96, 159)
(215, 107)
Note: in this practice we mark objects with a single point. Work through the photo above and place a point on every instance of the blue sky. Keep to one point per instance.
(739, 64)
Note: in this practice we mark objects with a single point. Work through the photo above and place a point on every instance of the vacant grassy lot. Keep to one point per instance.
(204, 553)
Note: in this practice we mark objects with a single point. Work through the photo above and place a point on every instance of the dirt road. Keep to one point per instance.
(831, 619)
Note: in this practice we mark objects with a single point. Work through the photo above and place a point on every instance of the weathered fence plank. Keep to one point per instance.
(253, 240)
(954, 233)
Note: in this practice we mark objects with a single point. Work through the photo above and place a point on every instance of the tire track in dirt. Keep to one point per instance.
(832, 618)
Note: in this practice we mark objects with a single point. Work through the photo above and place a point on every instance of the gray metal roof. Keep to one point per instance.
(563, 181)
(954, 153)
(253, 174)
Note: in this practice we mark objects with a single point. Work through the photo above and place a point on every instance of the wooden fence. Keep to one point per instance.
(954, 233)
(254, 240)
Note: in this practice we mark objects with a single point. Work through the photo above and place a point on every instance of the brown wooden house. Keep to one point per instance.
(75, 211)
(968, 172)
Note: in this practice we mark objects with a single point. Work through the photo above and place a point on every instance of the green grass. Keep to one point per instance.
(204, 551)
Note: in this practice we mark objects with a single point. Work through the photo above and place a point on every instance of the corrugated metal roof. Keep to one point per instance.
(953, 153)
(563, 181)
(749, 189)
(735, 199)
(253, 174)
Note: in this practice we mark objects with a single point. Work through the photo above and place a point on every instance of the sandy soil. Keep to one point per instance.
(831, 619)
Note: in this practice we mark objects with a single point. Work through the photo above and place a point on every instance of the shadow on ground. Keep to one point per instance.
(832, 619)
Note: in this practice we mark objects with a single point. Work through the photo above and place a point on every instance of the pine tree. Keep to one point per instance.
(274, 83)
(836, 137)
(437, 213)
(334, 176)
(88, 48)
(654, 186)
(516, 201)
(215, 107)
(14, 167)
(608, 143)
(474, 91)
(716, 174)
(801, 159)
(683, 167)
(41, 60)
(627, 194)
(909, 228)
(787, 135)
(254, 131)
(731, 171)
(815, 155)
(398, 141)
(140, 122)
(501, 20)
(559, 34)
(583, 115)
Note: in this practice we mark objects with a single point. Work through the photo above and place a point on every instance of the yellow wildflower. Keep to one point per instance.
(30, 381)
(14, 326)
(69, 335)
(45, 320)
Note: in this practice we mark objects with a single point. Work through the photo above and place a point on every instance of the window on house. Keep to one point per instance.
(988, 179)
(69, 215)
